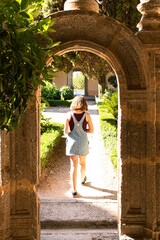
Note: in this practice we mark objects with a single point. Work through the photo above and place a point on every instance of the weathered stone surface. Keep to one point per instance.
(82, 30)
(19, 203)
(149, 26)
(89, 5)
(79, 234)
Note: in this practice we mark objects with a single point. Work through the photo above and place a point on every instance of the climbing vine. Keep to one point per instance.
(22, 57)
(91, 65)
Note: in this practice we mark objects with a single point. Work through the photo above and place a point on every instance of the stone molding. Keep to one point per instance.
(149, 25)
(89, 5)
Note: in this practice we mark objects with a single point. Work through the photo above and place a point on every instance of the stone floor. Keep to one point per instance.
(79, 234)
(93, 214)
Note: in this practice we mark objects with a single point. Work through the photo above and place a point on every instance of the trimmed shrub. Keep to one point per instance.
(66, 93)
(51, 134)
(59, 103)
(50, 91)
(49, 140)
(48, 126)
(109, 134)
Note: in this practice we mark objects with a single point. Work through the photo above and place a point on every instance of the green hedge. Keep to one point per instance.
(48, 126)
(66, 93)
(50, 91)
(50, 138)
(59, 103)
(109, 133)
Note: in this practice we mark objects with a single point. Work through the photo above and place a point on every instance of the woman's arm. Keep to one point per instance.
(90, 124)
(66, 128)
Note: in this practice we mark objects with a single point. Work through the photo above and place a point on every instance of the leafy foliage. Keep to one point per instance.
(43, 118)
(78, 81)
(91, 65)
(49, 140)
(50, 91)
(113, 81)
(109, 132)
(51, 134)
(50, 6)
(66, 93)
(59, 103)
(22, 57)
(123, 11)
(111, 102)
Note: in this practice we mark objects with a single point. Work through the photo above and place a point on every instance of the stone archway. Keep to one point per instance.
(123, 50)
(136, 61)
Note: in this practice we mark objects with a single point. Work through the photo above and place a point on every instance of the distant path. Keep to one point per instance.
(101, 180)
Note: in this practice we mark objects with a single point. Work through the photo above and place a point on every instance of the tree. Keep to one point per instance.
(50, 6)
(22, 57)
(79, 81)
(124, 11)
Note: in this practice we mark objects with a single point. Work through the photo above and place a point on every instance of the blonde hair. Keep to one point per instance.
(79, 103)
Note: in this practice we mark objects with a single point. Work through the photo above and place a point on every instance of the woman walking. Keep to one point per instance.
(78, 124)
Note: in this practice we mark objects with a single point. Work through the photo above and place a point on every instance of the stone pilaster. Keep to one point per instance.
(20, 173)
(70, 79)
(86, 86)
(89, 5)
(132, 162)
(149, 26)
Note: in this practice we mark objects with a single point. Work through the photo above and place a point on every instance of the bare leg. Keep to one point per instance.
(83, 166)
(74, 160)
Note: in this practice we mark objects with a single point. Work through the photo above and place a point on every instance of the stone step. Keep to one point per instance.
(77, 214)
(79, 234)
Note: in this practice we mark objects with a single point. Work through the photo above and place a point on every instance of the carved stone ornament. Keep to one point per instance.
(89, 5)
(150, 10)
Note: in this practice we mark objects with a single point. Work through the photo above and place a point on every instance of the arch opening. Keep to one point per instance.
(125, 53)
(100, 55)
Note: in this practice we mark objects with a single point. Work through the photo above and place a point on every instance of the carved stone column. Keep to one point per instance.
(20, 173)
(89, 5)
(149, 34)
(149, 26)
